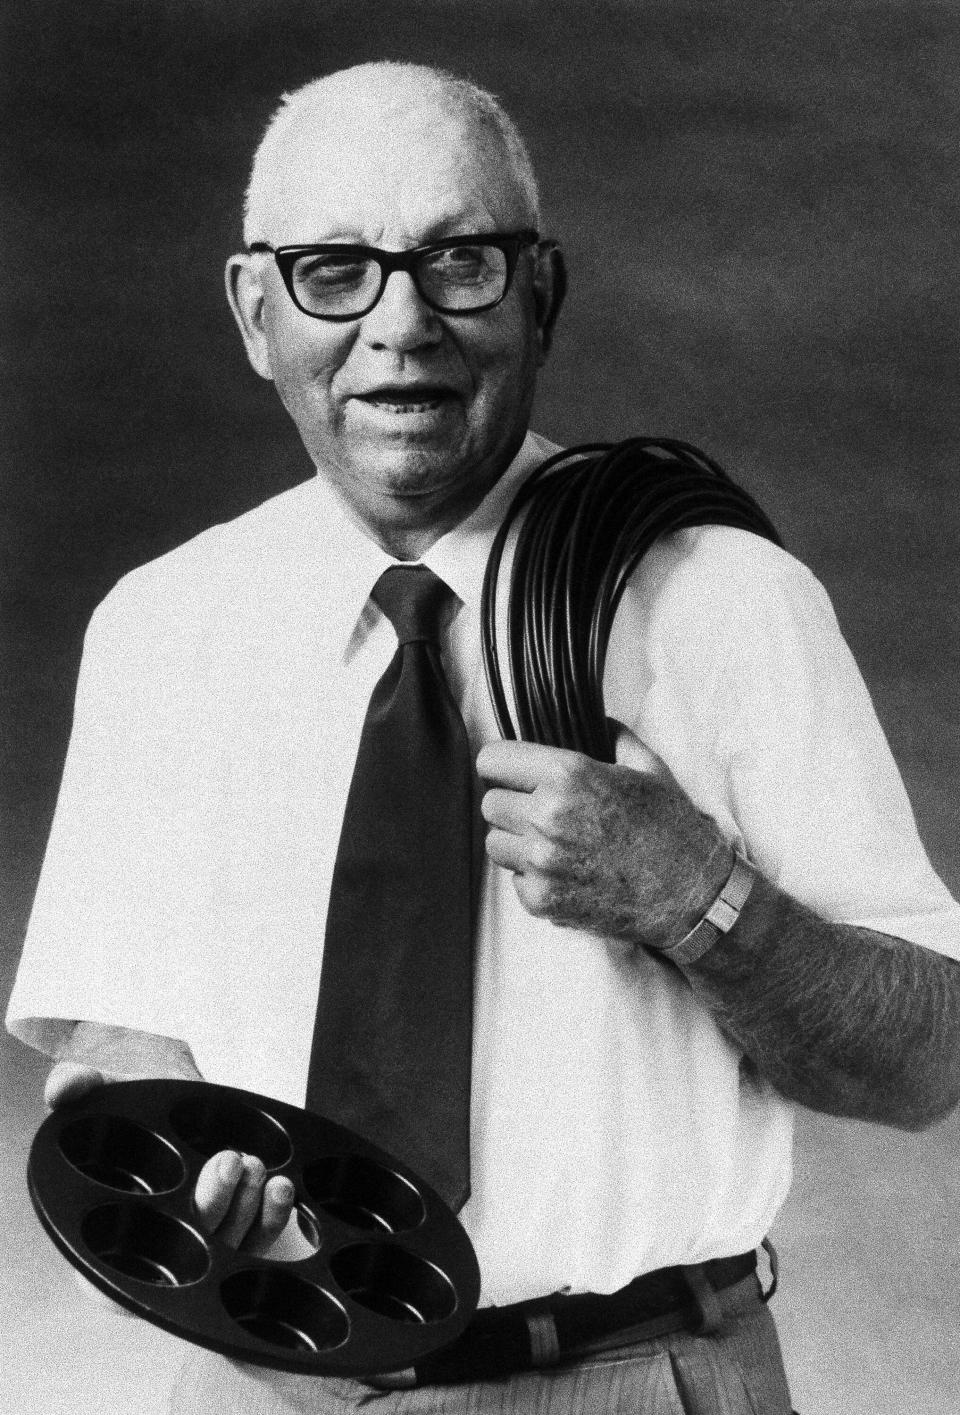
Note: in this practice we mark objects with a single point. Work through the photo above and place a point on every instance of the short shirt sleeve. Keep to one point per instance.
(89, 931)
(761, 712)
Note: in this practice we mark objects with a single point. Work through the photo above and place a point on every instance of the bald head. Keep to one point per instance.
(321, 129)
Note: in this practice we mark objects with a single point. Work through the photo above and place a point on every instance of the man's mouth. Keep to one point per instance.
(414, 398)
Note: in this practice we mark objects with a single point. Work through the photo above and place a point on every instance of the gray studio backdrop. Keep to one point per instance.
(759, 205)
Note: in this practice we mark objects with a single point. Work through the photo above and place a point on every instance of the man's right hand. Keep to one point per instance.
(233, 1195)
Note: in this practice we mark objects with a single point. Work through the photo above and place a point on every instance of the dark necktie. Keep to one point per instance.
(391, 1045)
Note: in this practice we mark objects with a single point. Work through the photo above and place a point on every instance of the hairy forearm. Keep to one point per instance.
(838, 1018)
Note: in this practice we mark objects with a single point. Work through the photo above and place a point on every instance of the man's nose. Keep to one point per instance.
(401, 319)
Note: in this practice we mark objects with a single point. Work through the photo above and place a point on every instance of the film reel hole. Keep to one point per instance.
(394, 1283)
(364, 1194)
(122, 1155)
(285, 1311)
(145, 1244)
(210, 1123)
(300, 1239)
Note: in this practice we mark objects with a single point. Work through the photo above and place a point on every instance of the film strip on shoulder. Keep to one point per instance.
(382, 1274)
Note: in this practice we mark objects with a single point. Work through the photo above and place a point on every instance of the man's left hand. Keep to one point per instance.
(619, 852)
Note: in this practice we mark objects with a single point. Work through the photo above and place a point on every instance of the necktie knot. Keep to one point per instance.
(413, 598)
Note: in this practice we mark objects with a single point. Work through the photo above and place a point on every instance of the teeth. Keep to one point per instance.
(407, 407)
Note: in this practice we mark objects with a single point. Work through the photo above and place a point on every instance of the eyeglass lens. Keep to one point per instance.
(463, 277)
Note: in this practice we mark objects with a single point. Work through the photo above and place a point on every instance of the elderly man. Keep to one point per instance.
(646, 1006)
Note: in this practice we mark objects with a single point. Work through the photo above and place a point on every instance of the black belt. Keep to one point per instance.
(501, 1341)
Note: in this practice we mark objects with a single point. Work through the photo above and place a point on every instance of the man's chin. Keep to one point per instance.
(412, 473)
(416, 490)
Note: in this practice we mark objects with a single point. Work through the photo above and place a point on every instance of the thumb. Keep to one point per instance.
(68, 1081)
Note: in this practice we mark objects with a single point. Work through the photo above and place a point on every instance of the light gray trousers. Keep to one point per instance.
(737, 1370)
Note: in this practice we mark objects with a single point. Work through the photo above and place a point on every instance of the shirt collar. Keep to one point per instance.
(459, 557)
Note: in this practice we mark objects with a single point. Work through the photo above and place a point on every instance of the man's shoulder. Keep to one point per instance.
(718, 626)
(713, 601)
(223, 568)
(717, 570)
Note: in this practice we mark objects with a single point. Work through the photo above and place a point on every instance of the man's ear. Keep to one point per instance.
(549, 289)
(245, 295)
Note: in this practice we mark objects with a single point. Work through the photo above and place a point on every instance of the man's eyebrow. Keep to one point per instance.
(462, 226)
(336, 238)
(442, 232)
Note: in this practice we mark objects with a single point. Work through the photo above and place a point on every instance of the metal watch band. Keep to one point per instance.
(719, 918)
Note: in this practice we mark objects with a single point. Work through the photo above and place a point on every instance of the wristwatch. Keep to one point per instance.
(719, 918)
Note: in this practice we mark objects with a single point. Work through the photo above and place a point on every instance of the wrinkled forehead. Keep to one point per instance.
(392, 170)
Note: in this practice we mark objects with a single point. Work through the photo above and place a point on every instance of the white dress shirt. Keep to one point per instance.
(185, 888)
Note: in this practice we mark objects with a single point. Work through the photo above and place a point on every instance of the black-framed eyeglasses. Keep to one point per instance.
(459, 275)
